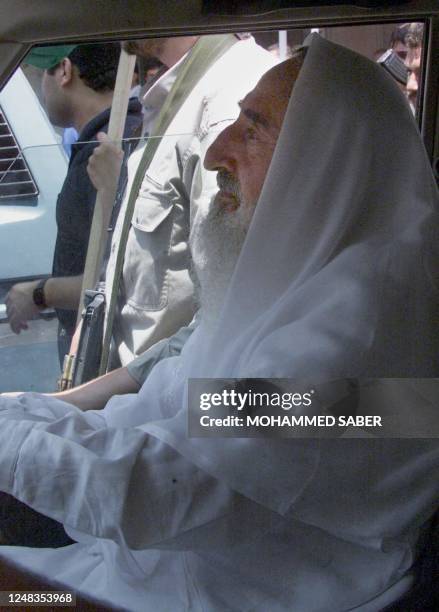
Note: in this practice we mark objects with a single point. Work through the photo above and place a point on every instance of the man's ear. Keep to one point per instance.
(66, 72)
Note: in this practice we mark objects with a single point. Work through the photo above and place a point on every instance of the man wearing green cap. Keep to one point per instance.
(47, 58)
(77, 86)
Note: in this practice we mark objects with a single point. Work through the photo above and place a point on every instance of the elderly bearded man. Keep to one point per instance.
(336, 246)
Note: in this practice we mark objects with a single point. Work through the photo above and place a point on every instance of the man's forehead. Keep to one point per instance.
(265, 105)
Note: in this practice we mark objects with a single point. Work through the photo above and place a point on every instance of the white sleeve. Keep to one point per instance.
(140, 368)
(120, 484)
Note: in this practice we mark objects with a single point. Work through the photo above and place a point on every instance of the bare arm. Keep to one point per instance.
(59, 292)
(63, 292)
(95, 394)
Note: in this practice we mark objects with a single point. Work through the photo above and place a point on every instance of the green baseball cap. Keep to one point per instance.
(48, 57)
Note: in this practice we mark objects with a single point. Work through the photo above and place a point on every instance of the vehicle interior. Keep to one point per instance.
(29, 361)
(28, 190)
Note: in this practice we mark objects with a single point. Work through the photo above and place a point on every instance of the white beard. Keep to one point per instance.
(216, 240)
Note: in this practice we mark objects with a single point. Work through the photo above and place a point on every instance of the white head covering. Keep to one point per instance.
(334, 279)
(333, 269)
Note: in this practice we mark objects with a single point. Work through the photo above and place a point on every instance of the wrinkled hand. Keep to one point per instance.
(104, 164)
(20, 306)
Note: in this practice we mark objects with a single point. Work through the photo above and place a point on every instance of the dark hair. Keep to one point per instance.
(97, 64)
(130, 46)
(409, 34)
(398, 34)
(149, 63)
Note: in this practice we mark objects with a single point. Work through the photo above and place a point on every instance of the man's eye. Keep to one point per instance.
(250, 134)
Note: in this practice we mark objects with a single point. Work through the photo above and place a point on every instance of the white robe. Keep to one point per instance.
(155, 532)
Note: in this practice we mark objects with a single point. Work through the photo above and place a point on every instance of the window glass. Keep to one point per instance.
(38, 141)
(398, 47)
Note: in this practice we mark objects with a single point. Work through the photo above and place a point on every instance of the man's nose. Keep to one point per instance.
(220, 153)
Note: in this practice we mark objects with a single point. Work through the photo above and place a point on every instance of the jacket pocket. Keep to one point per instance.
(148, 248)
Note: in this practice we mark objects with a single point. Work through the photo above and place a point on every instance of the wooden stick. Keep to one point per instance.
(102, 213)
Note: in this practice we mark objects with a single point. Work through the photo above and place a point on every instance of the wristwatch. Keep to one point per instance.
(38, 295)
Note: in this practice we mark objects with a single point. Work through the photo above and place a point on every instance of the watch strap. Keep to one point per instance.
(38, 294)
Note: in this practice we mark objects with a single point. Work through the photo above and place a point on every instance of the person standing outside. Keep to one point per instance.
(155, 295)
(77, 85)
(413, 41)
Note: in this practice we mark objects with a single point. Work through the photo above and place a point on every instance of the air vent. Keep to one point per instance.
(16, 180)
